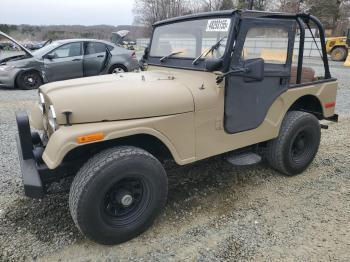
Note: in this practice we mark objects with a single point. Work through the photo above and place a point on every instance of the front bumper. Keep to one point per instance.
(36, 176)
(7, 78)
(33, 186)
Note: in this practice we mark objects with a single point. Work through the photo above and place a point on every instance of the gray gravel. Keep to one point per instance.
(343, 75)
(214, 211)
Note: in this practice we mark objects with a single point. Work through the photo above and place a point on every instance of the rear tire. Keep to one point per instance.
(117, 69)
(29, 80)
(117, 194)
(297, 144)
(339, 54)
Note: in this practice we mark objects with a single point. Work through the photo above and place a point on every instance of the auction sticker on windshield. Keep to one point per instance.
(218, 25)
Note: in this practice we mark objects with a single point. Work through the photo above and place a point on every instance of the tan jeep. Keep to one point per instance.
(219, 83)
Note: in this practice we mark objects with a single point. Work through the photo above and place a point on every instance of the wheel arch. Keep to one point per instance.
(147, 142)
(62, 145)
(19, 73)
(338, 46)
(308, 103)
(116, 64)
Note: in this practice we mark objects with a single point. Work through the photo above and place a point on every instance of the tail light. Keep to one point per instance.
(133, 55)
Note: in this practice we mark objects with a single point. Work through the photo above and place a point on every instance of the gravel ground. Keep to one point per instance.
(214, 212)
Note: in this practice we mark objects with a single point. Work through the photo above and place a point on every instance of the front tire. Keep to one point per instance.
(117, 194)
(29, 80)
(297, 144)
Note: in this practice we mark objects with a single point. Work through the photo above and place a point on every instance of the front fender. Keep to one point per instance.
(178, 138)
(38, 69)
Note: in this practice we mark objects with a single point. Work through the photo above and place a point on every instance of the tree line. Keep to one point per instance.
(28, 33)
(334, 14)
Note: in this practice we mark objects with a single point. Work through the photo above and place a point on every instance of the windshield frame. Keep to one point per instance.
(186, 62)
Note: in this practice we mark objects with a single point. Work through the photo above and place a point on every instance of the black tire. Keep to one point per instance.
(29, 80)
(98, 190)
(339, 54)
(116, 69)
(297, 144)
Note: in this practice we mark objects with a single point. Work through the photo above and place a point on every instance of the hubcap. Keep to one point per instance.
(302, 148)
(123, 198)
(126, 200)
(338, 54)
(299, 144)
(30, 80)
(118, 70)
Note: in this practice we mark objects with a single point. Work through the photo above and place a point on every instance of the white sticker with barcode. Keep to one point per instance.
(218, 25)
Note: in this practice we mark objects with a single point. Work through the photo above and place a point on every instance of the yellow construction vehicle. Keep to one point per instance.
(337, 47)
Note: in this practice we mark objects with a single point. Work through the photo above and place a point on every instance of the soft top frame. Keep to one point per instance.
(302, 19)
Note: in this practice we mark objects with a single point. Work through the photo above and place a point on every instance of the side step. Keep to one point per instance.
(244, 159)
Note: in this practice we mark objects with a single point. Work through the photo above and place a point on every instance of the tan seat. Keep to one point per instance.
(308, 75)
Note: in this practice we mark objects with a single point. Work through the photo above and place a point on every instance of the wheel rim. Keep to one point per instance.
(31, 80)
(118, 70)
(301, 147)
(338, 54)
(125, 201)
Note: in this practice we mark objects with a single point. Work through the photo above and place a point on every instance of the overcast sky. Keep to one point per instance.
(82, 12)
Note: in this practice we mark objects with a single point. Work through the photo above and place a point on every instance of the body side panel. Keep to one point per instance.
(124, 59)
(8, 78)
(194, 135)
(175, 131)
(211, 138)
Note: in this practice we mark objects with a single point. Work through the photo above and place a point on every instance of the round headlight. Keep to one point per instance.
(42, 102)
(52, 118)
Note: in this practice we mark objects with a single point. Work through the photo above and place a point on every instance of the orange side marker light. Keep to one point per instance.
(90, 138)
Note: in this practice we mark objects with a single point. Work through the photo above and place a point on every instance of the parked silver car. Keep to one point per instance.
(60, 60)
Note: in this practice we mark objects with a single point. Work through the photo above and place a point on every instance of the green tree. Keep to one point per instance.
(260, 5)
(328, 11)
(7, 28)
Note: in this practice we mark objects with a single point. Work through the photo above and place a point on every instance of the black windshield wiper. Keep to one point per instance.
(170, 55)
(205, 53)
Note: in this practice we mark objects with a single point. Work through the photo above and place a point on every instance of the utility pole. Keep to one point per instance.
(251, 4)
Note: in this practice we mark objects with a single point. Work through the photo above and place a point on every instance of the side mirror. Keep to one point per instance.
(49, 56)
(213, 64)
(254, 70)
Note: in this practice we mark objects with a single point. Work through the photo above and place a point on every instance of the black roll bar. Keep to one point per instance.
(317, 22)
(301, 50)
(303, 19)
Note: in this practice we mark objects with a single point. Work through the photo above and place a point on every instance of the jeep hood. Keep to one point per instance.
(118, 97)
